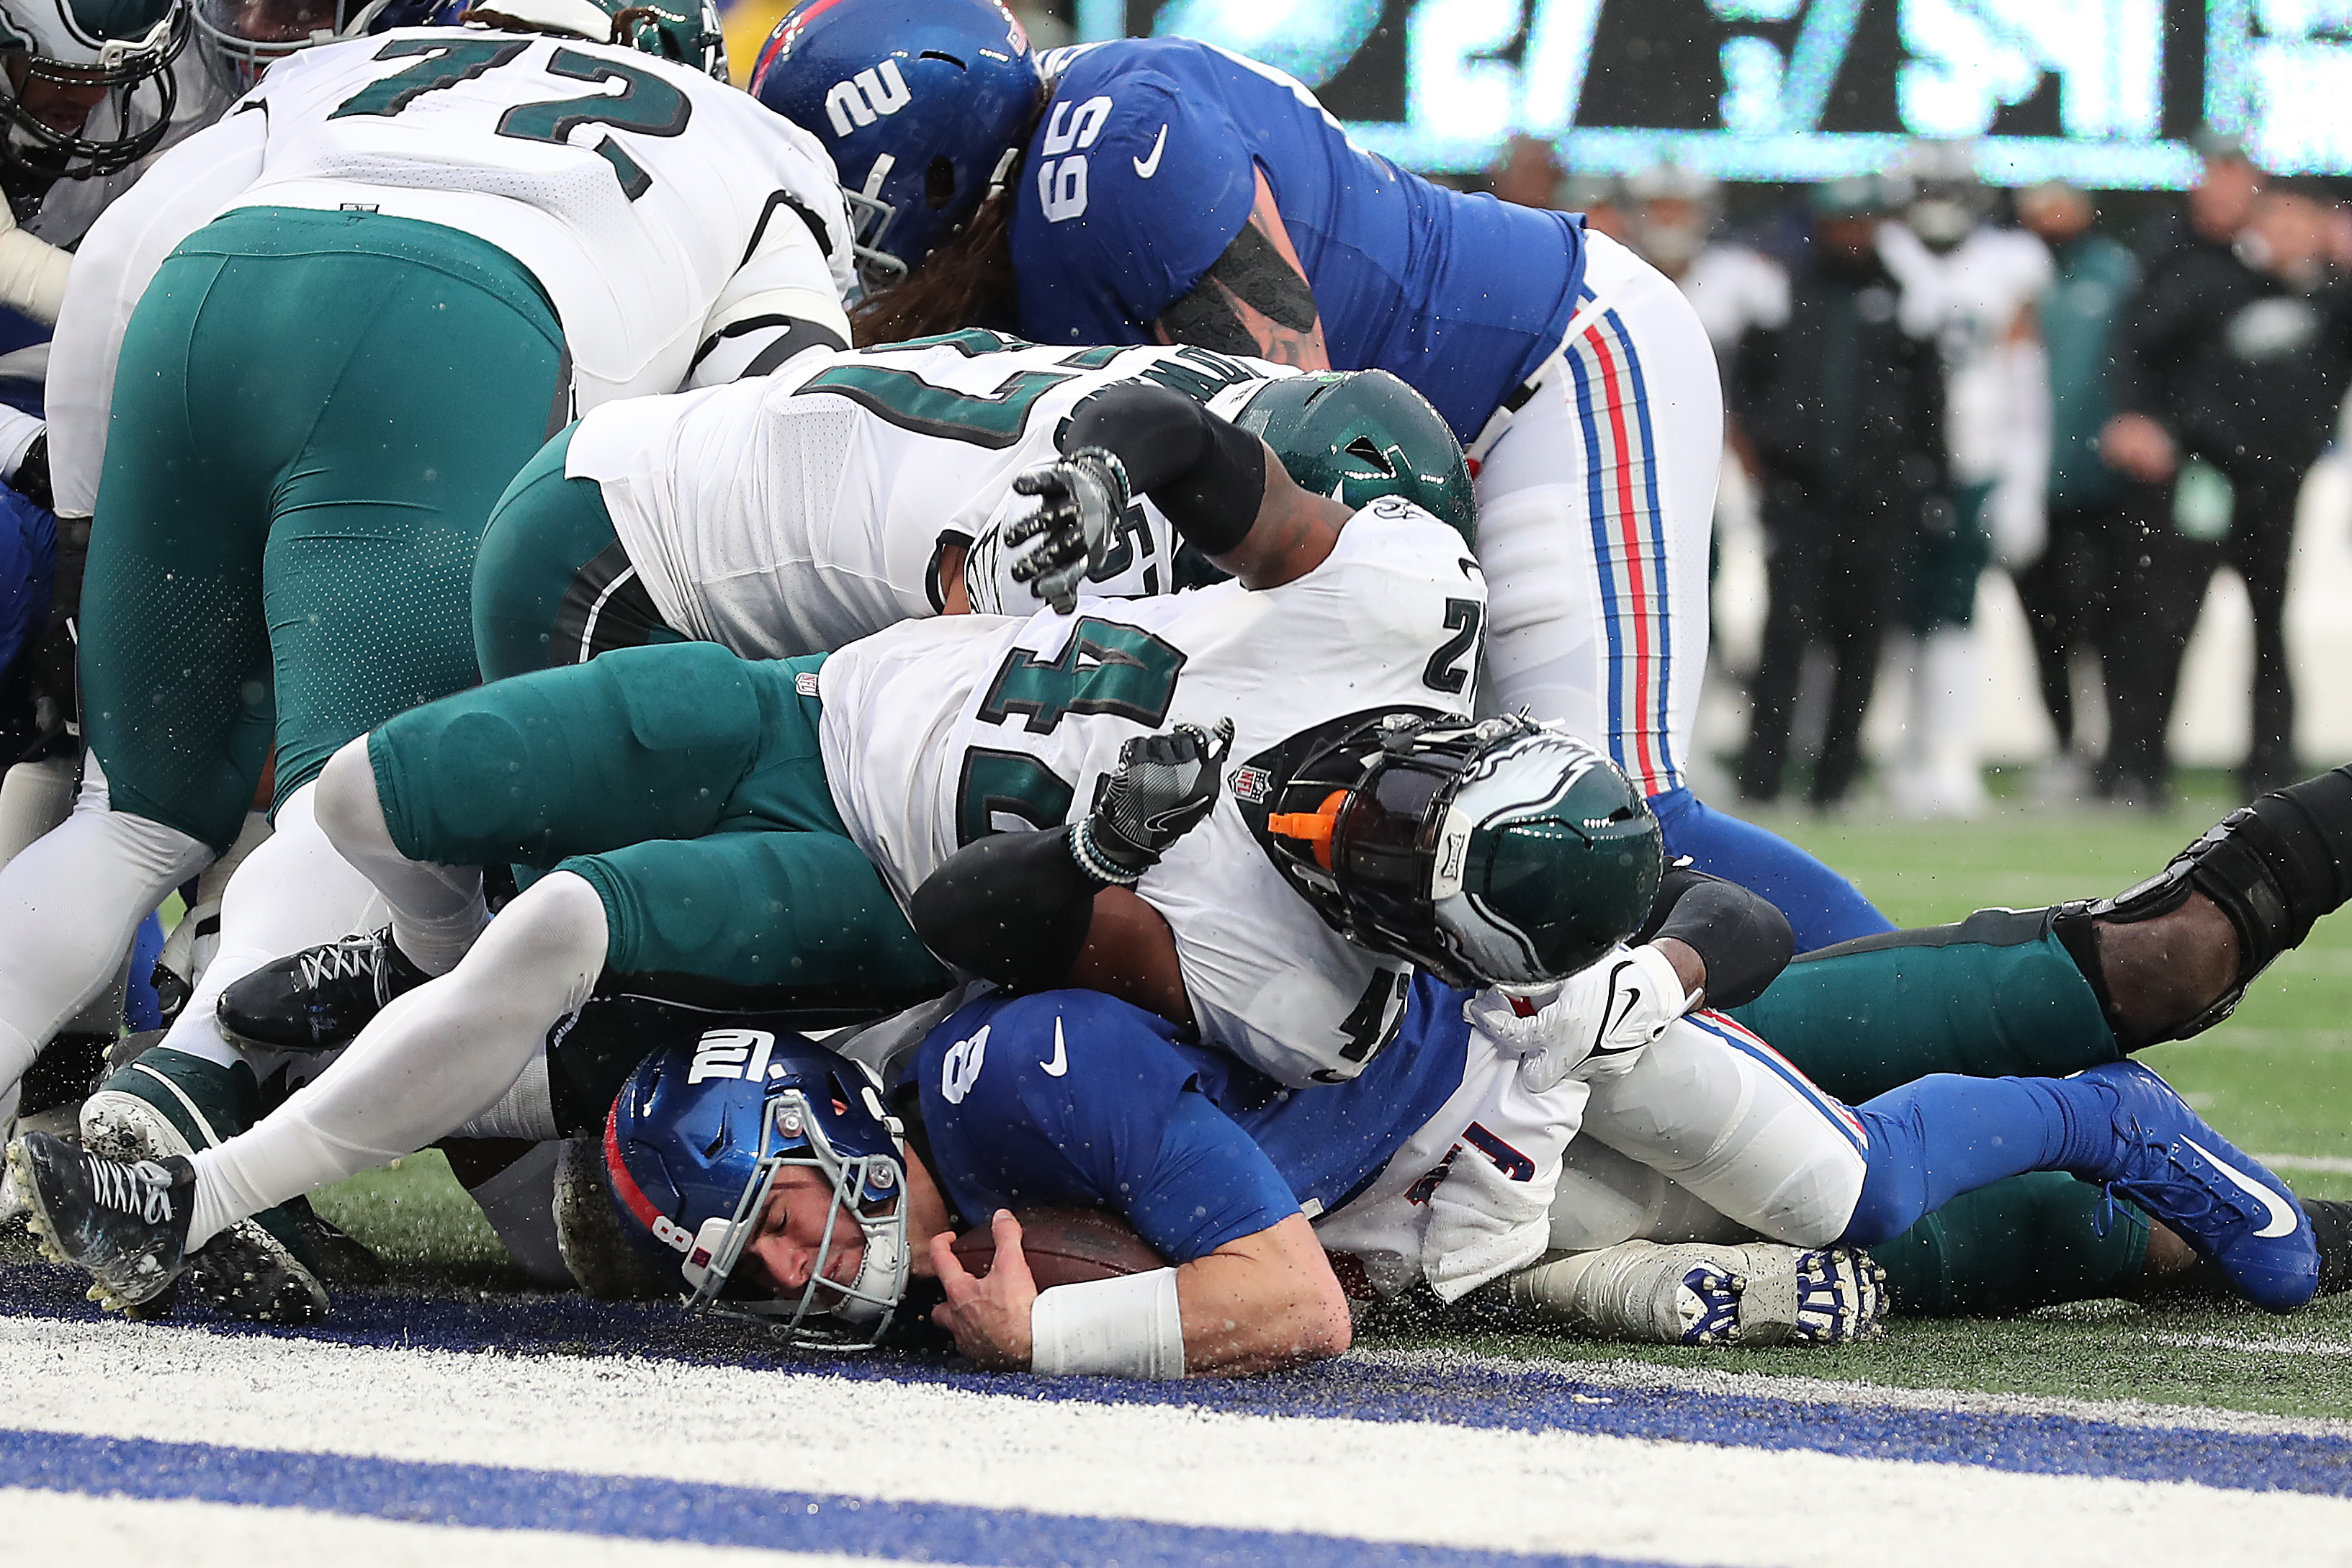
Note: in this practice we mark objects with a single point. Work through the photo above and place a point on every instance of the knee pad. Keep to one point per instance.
(2273, 868)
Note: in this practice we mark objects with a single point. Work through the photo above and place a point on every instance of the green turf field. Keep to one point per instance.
(2277, 1078)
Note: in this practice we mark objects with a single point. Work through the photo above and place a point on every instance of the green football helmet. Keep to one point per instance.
(1498, 853)
(125, 47)
(1356, 436)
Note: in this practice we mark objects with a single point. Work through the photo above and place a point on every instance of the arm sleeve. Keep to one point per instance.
(1117, 223)
(783, 299)
(1013, 908)
(1744, 941)
(188, 187)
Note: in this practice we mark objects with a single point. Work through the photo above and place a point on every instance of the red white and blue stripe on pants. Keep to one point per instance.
(1748, 1043)
(1629, 548)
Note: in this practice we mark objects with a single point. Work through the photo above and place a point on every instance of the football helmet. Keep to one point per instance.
(1946, 199)
(696, 1141)
(72, 46)
(1356, 436)
(1498, 853)
(922, 104)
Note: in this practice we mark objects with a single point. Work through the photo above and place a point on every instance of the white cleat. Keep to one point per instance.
(1689, 1293)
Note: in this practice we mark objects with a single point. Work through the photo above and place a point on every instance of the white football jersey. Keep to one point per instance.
(1971, 299)
(667, 219)
(800, 511)
(938, 732)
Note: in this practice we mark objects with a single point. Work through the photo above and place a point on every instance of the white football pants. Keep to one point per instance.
(1596, 502)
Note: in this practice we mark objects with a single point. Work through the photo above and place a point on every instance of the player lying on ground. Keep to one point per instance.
(287, 496)
(1456, 1195)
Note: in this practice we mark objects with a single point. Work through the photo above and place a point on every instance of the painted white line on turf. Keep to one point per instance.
(1441, 1485)
(2257, 1346)
(2333, 1164)
(1629, 1373)
(61, 1527)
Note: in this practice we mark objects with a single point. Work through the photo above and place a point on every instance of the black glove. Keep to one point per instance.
(1163, 786)
(1081, 498)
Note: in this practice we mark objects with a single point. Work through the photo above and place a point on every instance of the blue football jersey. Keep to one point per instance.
(1142, 172)
(1076, 1099)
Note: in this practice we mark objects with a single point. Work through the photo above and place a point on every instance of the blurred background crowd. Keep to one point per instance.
(1931, 385)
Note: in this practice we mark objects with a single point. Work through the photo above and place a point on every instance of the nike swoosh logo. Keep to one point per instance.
(1059, 1063)
(2282, 1216)
(1146, 167)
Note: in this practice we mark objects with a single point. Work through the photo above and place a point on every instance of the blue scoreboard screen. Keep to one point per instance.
(2102, 92)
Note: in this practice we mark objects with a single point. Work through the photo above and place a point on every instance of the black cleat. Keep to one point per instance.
(319, 997)
(126, 1224)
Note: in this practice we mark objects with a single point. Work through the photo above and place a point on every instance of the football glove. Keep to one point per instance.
(1080, 500)
(1593, 1025)
(1162, 786)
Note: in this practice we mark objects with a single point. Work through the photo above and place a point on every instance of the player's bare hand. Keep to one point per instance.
(2139, 446)
(988, 1314)
(1080, 498)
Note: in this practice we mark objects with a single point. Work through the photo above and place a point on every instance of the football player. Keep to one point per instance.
(344, 318)
(752, 827)
(1165, 190)
(846, 492)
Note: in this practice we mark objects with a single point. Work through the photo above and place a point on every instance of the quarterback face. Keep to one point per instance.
(792, 1235)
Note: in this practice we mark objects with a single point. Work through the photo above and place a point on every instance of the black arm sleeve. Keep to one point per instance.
(1744, 942)
(1209, 476)
(1013, 908)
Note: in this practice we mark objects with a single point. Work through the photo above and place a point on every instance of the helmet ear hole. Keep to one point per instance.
(1363, 447)
(939, 183)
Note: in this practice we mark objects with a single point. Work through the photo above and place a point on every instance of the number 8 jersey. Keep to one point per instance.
(680, 227)
(938, 732)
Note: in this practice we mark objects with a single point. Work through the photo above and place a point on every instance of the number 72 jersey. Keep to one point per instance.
(635, 189)
(939, 732)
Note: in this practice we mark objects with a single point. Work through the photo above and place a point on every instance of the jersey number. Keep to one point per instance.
(1106, 668)
(1372, 1026)
(1448, 671)
(646, 103)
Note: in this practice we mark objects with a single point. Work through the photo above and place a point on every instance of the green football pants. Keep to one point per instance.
(686, 785)
(313, 415)
(2000, 994)
(552, 585)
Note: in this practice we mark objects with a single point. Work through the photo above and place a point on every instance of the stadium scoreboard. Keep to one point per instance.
(2102, 92)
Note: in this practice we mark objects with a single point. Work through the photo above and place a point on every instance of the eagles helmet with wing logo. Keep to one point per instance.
(1498, 853)
(1356, 436)
(921, 102)
(70, 48)
(697, 1142)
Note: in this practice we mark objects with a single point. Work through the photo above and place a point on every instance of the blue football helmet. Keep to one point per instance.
(693, 1147)
(922, 104)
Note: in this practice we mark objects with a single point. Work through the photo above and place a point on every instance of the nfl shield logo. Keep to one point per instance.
(1252, 784)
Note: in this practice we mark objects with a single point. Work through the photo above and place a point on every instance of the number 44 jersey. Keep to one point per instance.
(938, 732)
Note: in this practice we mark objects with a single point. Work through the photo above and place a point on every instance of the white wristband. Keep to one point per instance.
(33, 275)
(1127, 1327)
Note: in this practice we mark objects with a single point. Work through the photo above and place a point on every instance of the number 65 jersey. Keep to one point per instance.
(680, 227)
(939, 732)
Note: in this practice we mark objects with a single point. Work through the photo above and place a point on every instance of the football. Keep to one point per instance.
(1065, 1247)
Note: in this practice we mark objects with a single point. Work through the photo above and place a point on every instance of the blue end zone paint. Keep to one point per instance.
(1462, 1395)
(633, 1509)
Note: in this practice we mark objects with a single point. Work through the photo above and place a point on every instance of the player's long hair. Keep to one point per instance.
(967, 282)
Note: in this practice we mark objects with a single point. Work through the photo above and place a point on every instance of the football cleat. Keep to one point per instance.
(2223, 1201)
(126, 1224)
(1694, 1294)
(320, 997)
(169, 1102)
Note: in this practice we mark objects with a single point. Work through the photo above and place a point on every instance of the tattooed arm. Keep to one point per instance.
(1255, 298)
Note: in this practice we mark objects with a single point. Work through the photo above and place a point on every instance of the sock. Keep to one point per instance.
(437, 911)
(443, 1054)
(292, 892)
(1943, 1135)
(68, 906)
(1822, 907)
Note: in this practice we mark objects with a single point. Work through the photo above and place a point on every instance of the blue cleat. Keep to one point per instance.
(2223, 1201)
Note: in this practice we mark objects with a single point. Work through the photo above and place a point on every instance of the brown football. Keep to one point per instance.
(1065, 1247)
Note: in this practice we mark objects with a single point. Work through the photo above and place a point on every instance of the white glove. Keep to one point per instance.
(1591, 1025)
